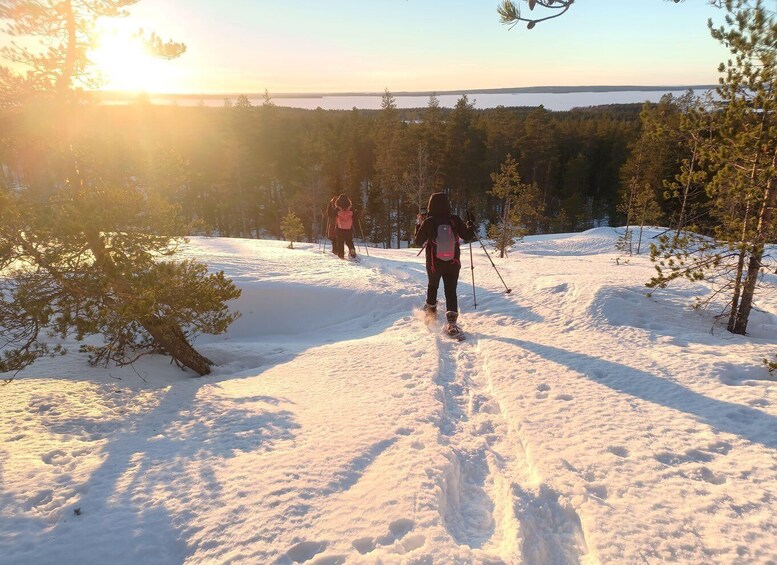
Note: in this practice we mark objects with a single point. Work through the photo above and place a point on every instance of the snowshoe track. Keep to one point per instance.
(492, 498)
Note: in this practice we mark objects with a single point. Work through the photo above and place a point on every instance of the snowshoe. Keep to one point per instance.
(452, 329)
(430, 312)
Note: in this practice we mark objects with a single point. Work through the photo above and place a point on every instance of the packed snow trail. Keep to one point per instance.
(580, 422)
(493, 497)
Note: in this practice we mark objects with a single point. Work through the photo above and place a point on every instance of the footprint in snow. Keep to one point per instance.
(704, 474)
(305, 551)
(330, 560)
(542, 391)
(694, 455)
(721, 447)
(398, 529)
(597, 490)
(618, 451)
(56, 457)
(364, 545)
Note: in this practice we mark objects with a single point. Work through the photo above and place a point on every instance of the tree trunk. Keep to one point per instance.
(399, 223)
(748, 289)
(174, 342)
(765, 218)
(635, 179)
(166, 333)
(64, 79)
(732, 317)
(503, 246)
(641, 228)
(686, 192)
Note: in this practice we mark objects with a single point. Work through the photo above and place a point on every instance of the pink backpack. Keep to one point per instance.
(445, 243)
(344, 219)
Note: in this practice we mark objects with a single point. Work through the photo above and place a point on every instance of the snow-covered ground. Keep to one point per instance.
(581, 422)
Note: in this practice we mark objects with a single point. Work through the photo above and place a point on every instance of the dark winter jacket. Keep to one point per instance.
(331, 212)
(426, 232)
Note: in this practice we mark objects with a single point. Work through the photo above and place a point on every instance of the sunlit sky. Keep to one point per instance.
(244, 46)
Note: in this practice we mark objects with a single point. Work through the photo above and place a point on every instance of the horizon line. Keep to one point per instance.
(408, 93)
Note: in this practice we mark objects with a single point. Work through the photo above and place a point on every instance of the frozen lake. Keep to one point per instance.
(550, 100)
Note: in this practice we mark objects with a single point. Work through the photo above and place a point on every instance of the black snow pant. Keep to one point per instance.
(344, 237)
(448, 271)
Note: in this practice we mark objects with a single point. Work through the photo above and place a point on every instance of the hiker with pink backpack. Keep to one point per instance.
(440, 232)
(343, 218)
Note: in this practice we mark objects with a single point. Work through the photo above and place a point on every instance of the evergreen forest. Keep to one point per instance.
(236, 170)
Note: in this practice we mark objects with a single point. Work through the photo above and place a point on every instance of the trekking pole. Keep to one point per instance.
(321, 236)
(507, 290)
(326, 234)
(364, 242)
(422, 248)
(472, 268)
(470, 218)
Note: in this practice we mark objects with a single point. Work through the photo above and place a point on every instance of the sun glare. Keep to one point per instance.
(125, 65)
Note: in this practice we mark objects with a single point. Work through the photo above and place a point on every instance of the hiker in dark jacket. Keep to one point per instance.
(343, 219)
(441, 263)
(331, 230)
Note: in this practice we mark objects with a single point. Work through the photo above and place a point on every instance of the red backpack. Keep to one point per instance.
(344, 219)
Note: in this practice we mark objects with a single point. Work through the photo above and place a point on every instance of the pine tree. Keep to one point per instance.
(538, 149)
(464, 155)
(292, 228)
(693, 135)
(642, 175)
(85, 254)
(433, 139)
(65, 30)
(521, 206)
(743, 164)
(389, 170)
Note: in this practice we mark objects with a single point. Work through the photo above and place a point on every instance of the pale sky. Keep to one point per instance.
(243, 46)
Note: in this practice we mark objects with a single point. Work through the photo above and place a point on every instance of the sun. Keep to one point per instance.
(124, 64)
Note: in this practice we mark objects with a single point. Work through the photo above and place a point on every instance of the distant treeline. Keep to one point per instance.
(237, 170)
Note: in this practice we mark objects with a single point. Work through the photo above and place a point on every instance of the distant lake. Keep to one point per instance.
(550, 100)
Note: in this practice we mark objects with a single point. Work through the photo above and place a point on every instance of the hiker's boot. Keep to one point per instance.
(451, 328)
(430, 311)
(352, 253)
